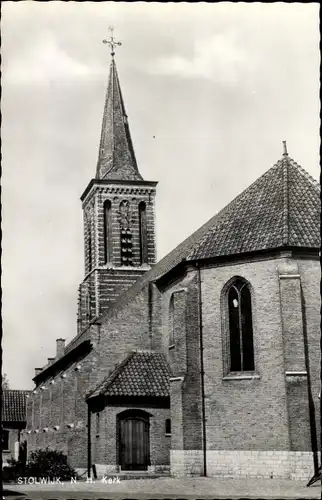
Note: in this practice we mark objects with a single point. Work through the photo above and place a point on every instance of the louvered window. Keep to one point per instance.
(126, 248)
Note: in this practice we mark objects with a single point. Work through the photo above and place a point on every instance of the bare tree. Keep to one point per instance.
(4, 382)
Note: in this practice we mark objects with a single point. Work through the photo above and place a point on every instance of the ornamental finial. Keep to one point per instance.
(285, 153)
(112, 42)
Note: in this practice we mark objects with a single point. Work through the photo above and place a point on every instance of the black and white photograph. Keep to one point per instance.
(161, 208)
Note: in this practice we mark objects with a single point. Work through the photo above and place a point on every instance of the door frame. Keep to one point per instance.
(126, 415)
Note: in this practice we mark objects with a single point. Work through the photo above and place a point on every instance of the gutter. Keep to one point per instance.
(202, 374)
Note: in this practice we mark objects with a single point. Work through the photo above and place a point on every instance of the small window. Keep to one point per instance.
(97, 424)
(89, 252)
(241, 348)
(108, 242)
(143, 233)
(171, 322)
(5, 439)
(88, 305)
(168, 426)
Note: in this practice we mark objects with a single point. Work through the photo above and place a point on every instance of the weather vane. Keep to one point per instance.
(112, 42)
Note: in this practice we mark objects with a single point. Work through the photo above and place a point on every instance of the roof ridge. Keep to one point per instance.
(314, 182)
(229, 207)
(285, 229)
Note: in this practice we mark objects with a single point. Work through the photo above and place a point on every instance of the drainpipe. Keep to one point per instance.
(89, 445)
(202, 374)
(314, 442)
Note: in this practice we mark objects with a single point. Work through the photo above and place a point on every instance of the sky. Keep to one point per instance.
(211, 91)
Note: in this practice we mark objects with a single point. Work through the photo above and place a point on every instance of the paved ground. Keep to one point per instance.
(168, 488)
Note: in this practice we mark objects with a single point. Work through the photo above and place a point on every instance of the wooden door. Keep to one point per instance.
(134, 445)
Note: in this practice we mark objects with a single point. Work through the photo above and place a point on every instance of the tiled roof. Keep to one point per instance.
(281, 208)
(140, 374)
(14, 406)
(116, 159)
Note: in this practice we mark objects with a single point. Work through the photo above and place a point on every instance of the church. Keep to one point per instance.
(205, 363)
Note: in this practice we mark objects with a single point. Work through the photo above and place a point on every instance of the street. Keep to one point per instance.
(167, 488)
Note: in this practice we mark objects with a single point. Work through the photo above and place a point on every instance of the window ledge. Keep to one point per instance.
(167, 435)
(242, 377)
(171, 347)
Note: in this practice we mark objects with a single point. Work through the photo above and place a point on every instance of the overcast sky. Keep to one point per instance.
(219, 85)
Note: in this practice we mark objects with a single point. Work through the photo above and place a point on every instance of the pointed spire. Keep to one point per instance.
(116, 158)
(285, 153)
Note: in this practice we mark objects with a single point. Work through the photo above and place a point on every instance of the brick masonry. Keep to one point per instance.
(265, 413)
(105, 440)
(242, 414)
(105, 281)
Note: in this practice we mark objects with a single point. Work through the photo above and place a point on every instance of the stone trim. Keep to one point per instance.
(241, 377)
(119, 190)
(296, 374)
(176, 379)
(289, 276)
(239, 463)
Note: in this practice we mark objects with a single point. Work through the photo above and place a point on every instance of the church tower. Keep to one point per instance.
(119, 213)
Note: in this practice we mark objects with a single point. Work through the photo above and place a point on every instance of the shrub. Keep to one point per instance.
(15, 469)
(45, 463)
(50, 464)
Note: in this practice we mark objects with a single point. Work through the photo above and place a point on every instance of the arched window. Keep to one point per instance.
(88, 305)
(143, 233)
(89, 250)
(171, 322)
(241, 347)
(108, 241)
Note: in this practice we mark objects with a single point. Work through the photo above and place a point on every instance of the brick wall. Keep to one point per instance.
(128, 329)
(250, 420)
(112, 342)
(294, 355)
(246, 414)
(310, 272)
(62, 403)
(184, 361)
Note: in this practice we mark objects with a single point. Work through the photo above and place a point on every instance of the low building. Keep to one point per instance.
(13, 421)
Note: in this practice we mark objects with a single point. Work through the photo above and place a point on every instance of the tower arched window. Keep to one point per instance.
(240, 338)
(171, 322)
(143, 233)
(108, 241)
(89, 250)
(88, 305)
